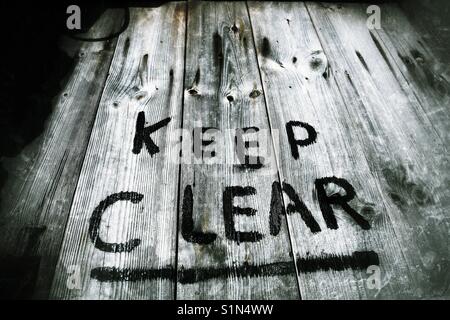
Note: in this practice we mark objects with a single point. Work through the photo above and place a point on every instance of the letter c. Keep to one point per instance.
(94, 223)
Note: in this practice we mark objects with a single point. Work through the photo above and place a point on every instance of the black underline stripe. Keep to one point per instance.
(359, 260)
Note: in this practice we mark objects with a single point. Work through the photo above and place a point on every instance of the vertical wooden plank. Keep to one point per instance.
(37, 196)
(408, 152)
(301, 84)
(125, 202)
(223, 91)
(418, 64)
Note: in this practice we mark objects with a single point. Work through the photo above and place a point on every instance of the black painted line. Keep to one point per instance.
(359, 260)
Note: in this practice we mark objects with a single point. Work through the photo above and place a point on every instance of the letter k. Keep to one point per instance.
(143, 134)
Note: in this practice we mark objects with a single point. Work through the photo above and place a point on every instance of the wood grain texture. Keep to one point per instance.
(378, 99)
(418, 64)
(37, 196)
(299, 84)
(223, 90)
(146, 76)
(430, 21)
(401, 144)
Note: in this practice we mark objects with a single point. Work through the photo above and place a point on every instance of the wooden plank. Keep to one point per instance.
(418, 65)
(223, 91)
(430, 20)
(124, 192)
(404, 150)
(300, 86)
(37, 196)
